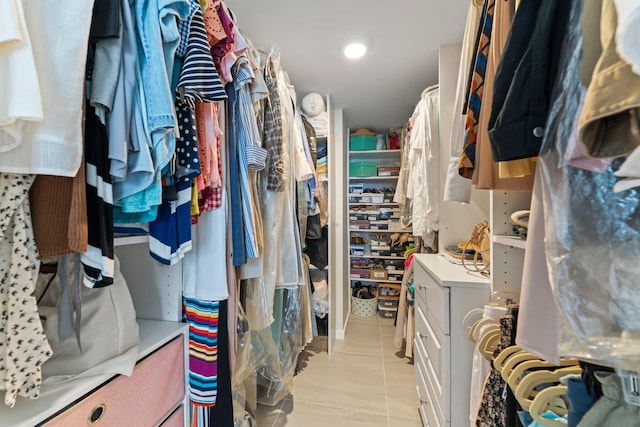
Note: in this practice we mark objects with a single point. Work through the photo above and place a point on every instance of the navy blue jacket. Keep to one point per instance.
(525, 78)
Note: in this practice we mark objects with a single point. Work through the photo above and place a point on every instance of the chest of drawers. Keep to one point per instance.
(154, 394)
(445, 293)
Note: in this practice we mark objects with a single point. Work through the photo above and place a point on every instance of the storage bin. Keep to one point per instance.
(363, 168)
(387, 313)
(364, 307)
(362, 143)
(388, 303)
(378, 274)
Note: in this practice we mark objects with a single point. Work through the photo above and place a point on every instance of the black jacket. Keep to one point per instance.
(525, 78)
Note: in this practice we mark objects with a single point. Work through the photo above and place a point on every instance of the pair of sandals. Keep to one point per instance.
(398, 239)
(379, 190)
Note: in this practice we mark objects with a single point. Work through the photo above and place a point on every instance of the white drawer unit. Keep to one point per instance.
(445, 293)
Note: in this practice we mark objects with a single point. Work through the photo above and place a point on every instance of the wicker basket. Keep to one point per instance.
(364, 307)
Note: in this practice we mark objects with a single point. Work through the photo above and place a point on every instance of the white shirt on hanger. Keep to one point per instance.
(59, 37)
(19, 87)
(423, 185)
(457, 188)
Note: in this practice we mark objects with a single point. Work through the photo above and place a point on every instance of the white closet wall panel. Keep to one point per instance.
(456, 219)
(338, 233)
(156, 289)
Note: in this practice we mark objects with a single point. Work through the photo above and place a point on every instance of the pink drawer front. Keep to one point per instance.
(144, 399)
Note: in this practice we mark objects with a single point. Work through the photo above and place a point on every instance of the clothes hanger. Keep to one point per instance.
(480, 327)
(519, 372)
(514, 361)
(505, 354)
(488, 342)
(467, 318)
(472, 330)
(549, 399)
(526, 391)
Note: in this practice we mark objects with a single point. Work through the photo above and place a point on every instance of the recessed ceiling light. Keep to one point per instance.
(356, 47)
(355, 50)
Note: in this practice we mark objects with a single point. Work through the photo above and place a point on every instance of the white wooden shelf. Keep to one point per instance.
(514, 241)
(372, 154)
(375, 280)
(131, 240)
(377, 257)
(372, 204)
(372, 178)
(371, 230)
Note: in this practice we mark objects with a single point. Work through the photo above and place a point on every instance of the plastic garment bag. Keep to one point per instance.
(275, 376)
(592, 235)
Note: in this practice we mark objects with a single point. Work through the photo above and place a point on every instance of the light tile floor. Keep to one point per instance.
(365, 382)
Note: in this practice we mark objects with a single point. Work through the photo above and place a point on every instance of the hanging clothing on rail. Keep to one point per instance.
(423, 166)
(457, 188)
(132, 170)
(23, 345)
(476, 89)
(203, 319)
(59, 39)
(592, 273)
(98, 261)
(487, 174)
(520, 103)
(19, 88)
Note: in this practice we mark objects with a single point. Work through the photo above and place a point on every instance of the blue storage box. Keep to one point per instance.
(363, 168)
(362, 143)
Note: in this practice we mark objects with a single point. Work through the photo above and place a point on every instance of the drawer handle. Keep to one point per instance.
(424, 402)
(422, 287)
(96, 414)
(422, 336)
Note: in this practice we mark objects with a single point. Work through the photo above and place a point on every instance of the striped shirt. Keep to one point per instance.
(251, 156)
(198, 76)
(98, 260)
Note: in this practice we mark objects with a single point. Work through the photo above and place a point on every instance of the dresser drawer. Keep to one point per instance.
(427, 409)
(426, 379)
(420, 277)
(437, 298)
(433, 341)
(144, 399)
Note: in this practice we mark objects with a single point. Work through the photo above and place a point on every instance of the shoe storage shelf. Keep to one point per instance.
(377, 240)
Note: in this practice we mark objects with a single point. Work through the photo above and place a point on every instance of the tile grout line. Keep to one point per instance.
(384, 374)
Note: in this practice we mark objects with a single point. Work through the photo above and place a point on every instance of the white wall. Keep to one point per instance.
(338, 262)
(456, 219)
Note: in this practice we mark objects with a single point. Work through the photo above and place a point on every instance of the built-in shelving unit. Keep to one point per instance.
(374, 217)
(513, 241)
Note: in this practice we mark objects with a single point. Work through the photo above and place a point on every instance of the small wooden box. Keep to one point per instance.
(379, 274)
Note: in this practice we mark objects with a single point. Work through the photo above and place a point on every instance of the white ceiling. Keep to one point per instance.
(377, 91)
